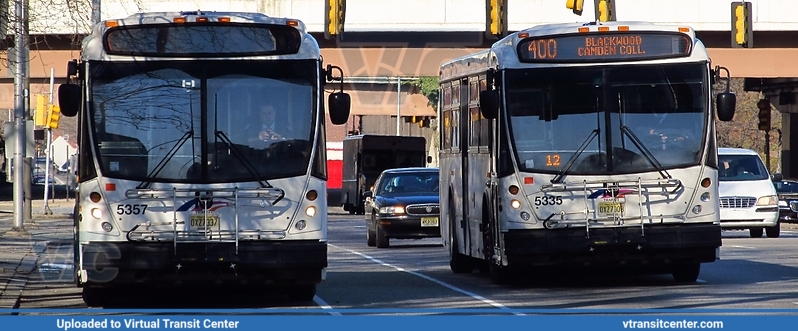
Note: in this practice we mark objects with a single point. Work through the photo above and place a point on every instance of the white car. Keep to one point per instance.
(748, 199)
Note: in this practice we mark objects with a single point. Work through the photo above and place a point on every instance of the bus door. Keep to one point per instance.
(465, 171)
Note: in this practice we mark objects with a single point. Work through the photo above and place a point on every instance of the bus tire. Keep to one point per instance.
(96, 297)
(381, 239)
(756, 232)
(686, 273)
(459, 263)
(302, 292)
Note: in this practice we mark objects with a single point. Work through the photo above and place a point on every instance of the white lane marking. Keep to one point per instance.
(441, 283)
(324, 305)
(746, 247)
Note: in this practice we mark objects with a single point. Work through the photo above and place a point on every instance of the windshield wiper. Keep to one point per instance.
(263, 183)
(162, 164)
(572, 160)
(646, 152)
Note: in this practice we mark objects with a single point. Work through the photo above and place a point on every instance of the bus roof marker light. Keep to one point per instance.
(111, 24)
(292, 23)
(583, 29)
(179, 20)
(623, 28)
(684, 29)
(224, 19)
(523, 35)
(202, 19)
(604, 29)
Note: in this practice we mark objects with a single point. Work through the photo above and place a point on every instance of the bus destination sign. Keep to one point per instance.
(618, 46)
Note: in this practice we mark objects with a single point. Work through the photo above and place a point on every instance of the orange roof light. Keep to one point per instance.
(604, 29)
(224, 19)
(684, 29)
(292, 23)
(523, 35)
(583, 29)
(202, 19)
(623, 28)
(111, 24)
(180, 20)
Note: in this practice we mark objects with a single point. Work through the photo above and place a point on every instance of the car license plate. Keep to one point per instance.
(429, 221)
(610, 208)
(198, 223)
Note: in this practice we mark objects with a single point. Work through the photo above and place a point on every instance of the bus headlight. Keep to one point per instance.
(525, 216)
(697, 209)
(705, 197)
(96, 213)
(515, 204)
(107, 227)
(301, 225)
(310, 211)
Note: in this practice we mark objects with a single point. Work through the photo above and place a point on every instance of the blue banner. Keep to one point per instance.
(345, 321)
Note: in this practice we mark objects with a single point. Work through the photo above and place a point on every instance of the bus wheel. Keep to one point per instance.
(756, 232)
(686, 273)
(382, 240)
(302, 292)
(459, 263)
(498, 274)
(96, 297)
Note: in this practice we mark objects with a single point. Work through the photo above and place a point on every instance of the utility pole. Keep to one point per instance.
(20, 93)
(95, 12)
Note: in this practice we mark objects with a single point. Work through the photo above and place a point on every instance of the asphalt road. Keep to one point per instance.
(752, 273)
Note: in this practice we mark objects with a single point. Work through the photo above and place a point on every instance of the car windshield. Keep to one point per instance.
(398, 183)
(786, 186)
(741, 168)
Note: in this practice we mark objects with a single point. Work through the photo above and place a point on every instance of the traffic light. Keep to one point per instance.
(496, 20)
(41, 111)
(575, 6)
(605, 10)
(53, 116)
(742, 31)
(334, 13)
(764, 114)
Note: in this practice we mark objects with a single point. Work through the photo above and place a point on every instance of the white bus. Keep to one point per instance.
(573, 145)
(173, 188)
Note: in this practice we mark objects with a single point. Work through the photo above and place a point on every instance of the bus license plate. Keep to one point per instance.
(198, 223)
(610, 208)
(429, 221)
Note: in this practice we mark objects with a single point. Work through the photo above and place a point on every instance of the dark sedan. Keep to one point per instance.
(403, 204)
(787, 189)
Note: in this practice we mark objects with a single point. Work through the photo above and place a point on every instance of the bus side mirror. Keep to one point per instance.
(338, 104)
(726, 101)
(489, 103)
(777, 177)
(69, 99)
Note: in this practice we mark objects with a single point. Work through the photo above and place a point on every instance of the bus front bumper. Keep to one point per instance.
(658, 245)
(256, 261)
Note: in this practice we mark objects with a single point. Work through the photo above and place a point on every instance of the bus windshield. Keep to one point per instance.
(606, 120)
(203, 121)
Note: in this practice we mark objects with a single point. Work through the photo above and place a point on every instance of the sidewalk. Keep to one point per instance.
(20, 250)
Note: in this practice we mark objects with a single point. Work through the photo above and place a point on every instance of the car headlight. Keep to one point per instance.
(767, 200)
(392, 210)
